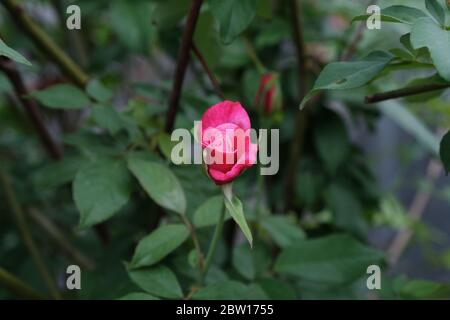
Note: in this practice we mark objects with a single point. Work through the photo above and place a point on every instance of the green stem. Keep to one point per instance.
(214, 241)
(45, 43)
(253, 56)
(26, 234)
(17, 286)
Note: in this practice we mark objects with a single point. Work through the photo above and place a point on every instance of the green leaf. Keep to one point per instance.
(165, 145)
(160, 184)
(349, 75)
(436, 10)
(331, 141)
(236, 211)
(421, 289)
(397, 14)
(250, 263)
(138, 296)
(234, 16)
(277, 289)
(346, 208)
(96, 90)
(283, 230)
(158, 244)
(335, 259)
(168, 13)
(12, 54)
(108, 117)
(426, 33)
(444, 151)
(410, 123)
(206, 38)
(228, 290)
(61, 96)
(209, 212)
(159, 281)
(100, 190)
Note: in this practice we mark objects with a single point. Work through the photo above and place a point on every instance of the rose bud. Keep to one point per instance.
(268, 97)
(225, 139)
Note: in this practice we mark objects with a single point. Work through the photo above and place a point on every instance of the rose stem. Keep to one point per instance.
(214, 241)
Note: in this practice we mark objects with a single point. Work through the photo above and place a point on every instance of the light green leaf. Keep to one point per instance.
(159, 281)
(444, 151)
(236, 211)
(426, 33)
(100, 190)
(209, 212)
(158, 244)
(350, 75)
(12, 54)
(96, 90)
(160, 184)
(411, 124)
(234, 16)
(283, 230)
(62, 96)
(436, 10)
(138, 296)
(335, 259)
(397, 14)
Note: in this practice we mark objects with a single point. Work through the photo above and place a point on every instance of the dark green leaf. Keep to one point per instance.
(346, 208)
(62, 96)
(331, 141)
(96, 90)
(208, 213)
(234, 16)
(250, 263)
(108, 117)
(283, 230)
(335, 259)
(158, 244)
(229, 290)
(100, 190)
(398, 14)
(138, 296)
(350, 75)
(159, 281)
(444, 151)
(277, 289)
(160, 184)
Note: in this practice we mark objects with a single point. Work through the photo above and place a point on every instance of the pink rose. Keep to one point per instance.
(225, 138)
(268, 95)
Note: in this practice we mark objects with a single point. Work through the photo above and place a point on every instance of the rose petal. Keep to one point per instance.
(225, 112)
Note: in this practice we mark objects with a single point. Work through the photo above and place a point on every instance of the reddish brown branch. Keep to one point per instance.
(300, 121)
(31, 109)
(405, 92)
(208, 71)
(182, 63)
